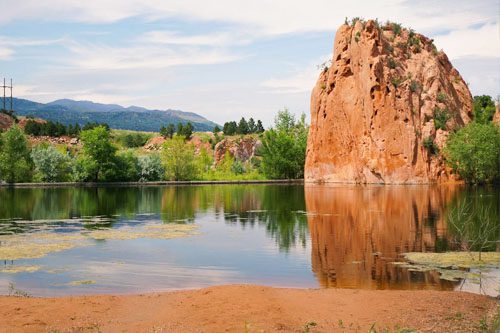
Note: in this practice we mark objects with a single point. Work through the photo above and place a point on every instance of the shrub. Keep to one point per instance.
(430, 146)
(391, 63)
(133, 140)
(179, 160)
(396, 81)
(357, 36)
(414, 86)
(484, 109)
(50, 164)
(150, 168)
(396, 27)
(84, 169)
(441, 116)
(441, 97)
(474, 152)
(237, 168)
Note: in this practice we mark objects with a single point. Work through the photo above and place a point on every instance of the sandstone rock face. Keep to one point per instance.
(377, 104)
(496, 116)
(242, 149)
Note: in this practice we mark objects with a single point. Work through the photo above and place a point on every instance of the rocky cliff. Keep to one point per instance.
(383, 109)
(242, 149)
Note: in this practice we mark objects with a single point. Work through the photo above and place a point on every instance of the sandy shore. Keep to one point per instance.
(242, 308)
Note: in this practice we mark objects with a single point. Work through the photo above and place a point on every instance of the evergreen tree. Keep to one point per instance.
(170, 130)
(259, 128)
(252, 127)
(242, 126)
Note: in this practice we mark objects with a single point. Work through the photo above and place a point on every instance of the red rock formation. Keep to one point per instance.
(496, 116)
(6, 121)
(242, 149)
(374, 108)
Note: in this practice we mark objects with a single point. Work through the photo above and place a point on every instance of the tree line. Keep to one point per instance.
(99, 160)
(242, 127)
(185, 130)
(55, 129)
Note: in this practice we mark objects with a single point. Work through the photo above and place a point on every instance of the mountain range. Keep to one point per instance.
(135, 118)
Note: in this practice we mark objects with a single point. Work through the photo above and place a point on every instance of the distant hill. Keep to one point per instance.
(136, 118)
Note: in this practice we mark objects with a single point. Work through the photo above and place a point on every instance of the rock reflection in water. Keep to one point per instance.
(357, 232)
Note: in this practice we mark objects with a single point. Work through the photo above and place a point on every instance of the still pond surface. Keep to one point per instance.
(60, 241)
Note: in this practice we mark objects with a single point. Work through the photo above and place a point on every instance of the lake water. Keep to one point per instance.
(60, 241)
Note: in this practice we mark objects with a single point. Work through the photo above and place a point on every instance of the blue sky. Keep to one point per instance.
(222, 59)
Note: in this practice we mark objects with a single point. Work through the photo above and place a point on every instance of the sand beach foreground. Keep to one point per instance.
(248, 308)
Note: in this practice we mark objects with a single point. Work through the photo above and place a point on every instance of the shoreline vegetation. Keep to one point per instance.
(155, 183)
(37, 151)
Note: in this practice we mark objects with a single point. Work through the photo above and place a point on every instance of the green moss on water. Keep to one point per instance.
(452, 266)
(454, 259)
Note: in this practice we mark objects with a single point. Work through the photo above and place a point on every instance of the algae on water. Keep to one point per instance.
(39, 244)
(19, 269)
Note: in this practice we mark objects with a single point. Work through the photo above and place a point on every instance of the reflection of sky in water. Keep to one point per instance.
(287, 236)
(220, 254)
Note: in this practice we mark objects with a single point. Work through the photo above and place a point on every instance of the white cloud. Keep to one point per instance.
(481, 42)
(103, 57)
(212, 39)
(5, 53)
(274, 17)
(299, 80)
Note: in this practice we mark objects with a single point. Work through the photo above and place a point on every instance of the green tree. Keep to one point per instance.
(242, 126)
(216, 130)
(252, 127)
(484, 109)
(15, 160)
(179, 159)
(97, 147)
(260, 127)
(50, 164)
(167, 132)
(474, 152)
(230, 128)
(284, 147)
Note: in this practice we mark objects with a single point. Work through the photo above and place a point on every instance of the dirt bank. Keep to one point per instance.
(238, 308)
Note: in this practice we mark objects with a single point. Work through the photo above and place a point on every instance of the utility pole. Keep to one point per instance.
(4, 102)
(11, 109)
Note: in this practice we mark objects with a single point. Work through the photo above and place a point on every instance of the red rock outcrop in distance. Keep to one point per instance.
(374, 110)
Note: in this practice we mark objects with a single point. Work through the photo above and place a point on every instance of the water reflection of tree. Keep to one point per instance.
(57, 205)
(270, 206)
(274, 207)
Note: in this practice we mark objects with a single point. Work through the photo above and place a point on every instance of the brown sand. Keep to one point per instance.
(245, 308)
